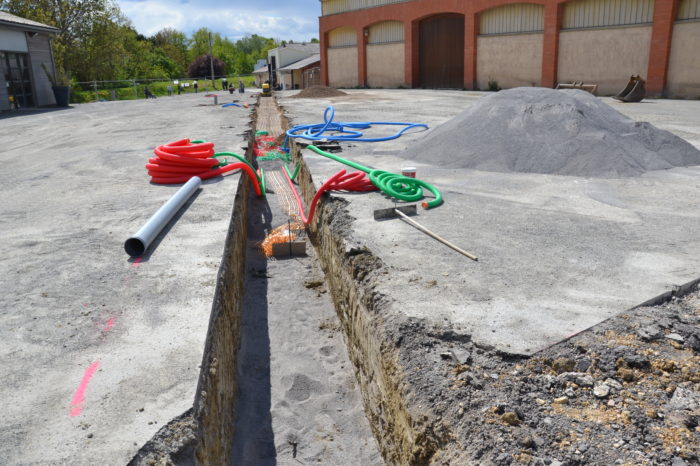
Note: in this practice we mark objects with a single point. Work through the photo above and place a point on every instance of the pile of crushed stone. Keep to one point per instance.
(537, 130)
(315, 92)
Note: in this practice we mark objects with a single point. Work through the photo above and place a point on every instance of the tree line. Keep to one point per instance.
(97, 42)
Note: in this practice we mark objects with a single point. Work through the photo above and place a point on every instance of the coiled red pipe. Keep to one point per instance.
(177, 162)
(341, 181)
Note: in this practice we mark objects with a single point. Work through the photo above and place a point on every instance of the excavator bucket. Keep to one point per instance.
(634, 91)
(637, 93)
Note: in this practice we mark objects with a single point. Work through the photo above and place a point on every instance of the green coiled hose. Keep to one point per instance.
(403, 188)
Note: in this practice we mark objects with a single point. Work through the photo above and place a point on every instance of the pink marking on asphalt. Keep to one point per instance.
(109, 324)
(76, 405)
(136, 262)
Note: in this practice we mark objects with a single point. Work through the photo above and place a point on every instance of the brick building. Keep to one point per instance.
(471, 43)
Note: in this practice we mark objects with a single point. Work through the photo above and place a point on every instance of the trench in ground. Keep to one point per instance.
(276, 343)
(286, 399)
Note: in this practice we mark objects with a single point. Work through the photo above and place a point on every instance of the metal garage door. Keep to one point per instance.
(441, 52)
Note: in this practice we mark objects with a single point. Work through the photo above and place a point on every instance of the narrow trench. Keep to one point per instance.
(298, 401)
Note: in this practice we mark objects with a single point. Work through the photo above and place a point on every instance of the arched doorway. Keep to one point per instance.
(441, 52)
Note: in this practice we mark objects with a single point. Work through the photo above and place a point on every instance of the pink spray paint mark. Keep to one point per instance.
(136, 262)
(109, 324)
(76, 405)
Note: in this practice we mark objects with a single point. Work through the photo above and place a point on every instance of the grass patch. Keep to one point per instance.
(125, 90)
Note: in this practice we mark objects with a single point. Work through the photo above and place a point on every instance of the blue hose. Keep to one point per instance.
(349, 131)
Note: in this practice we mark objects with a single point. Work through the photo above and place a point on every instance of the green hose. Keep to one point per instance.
(231, 154)
(261, 177)
(403, 188)
(296, 171)
(349, 163)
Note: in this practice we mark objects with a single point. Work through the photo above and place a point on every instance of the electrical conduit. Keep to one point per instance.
(178, 161)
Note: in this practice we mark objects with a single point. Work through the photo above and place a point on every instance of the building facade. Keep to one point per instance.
(482, 44)
(24, 47)
(280, 60)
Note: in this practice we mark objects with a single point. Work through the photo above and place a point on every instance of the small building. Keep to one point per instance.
(301, 74)
(488, 44)
(285, 55)
(25, 46)
(261, 74)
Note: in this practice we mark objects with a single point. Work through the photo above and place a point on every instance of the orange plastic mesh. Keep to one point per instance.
(281, 234)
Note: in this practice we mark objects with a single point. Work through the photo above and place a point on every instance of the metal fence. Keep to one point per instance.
(129, 89)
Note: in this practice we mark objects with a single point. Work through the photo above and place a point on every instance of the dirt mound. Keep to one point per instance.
(536, 130)
(316, 92)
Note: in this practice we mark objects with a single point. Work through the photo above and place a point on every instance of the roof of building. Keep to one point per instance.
(310, 48)
(262, 69)
(297, 65)
(7, 19)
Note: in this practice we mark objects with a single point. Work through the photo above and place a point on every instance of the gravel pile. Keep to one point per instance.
(537, 130)
(316, 92)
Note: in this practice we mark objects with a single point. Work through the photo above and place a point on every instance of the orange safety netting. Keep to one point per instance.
(281, 234)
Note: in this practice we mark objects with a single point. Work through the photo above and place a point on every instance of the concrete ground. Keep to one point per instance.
(557, 254)
(100, 351)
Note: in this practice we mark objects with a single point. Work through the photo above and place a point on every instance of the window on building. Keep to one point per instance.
(580, 14)
(18, 78)
(688, 10)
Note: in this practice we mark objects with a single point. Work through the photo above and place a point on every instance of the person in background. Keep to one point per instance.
(13, 102)
(224, 83)
(231, 88)
(170, 90)
(241, 87)
(196, 86)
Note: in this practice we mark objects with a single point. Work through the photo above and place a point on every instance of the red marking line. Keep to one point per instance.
(136, 262)
(76, 405)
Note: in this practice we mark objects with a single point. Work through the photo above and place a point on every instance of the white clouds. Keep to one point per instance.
(297, 20)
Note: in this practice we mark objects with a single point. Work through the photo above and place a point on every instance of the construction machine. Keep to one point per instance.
(266, 91)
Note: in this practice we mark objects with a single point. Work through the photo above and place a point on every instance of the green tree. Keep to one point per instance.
(76, 21)
(175, 45)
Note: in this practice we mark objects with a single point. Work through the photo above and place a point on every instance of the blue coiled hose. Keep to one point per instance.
(345, 131)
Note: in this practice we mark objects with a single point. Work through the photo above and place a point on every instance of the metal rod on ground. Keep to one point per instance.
(435, 236)
(137, 244)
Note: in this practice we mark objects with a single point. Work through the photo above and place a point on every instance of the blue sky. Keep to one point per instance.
(296, 19)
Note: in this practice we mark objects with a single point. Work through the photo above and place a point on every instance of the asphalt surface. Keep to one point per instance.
(557, 254)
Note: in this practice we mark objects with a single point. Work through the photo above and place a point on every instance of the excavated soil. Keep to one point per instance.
(318, 92)
(625, 392)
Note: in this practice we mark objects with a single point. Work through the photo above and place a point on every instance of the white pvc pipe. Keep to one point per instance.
(137, 244)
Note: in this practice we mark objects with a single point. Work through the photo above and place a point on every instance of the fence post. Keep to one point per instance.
(136, 92)
(94, 86)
